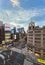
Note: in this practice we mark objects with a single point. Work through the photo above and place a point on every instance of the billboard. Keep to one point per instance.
(7, 27)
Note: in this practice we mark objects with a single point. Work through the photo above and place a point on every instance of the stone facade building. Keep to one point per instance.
(36, 39)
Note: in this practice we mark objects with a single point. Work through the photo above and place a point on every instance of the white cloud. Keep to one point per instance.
(20, 17)
(41, 23)
(12, 23)
(8, 12)
(15, 3)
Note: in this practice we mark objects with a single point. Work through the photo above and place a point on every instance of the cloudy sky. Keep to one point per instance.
(21, 12)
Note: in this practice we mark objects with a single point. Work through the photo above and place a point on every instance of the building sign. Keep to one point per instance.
(7, 27)
(14, 36)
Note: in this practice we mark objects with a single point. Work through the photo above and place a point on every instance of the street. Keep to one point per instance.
(15, 56)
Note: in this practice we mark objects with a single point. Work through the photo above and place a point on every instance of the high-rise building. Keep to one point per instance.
(36, 39)
(2, 32)
(21, 32)
(20, 29)
(13, 33)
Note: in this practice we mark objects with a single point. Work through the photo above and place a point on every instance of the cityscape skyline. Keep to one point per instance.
(20, 12)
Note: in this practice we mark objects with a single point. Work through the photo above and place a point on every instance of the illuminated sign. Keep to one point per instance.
(14, 36)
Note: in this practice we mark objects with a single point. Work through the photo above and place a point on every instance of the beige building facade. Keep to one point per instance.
(7, 32)
(36, 39)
